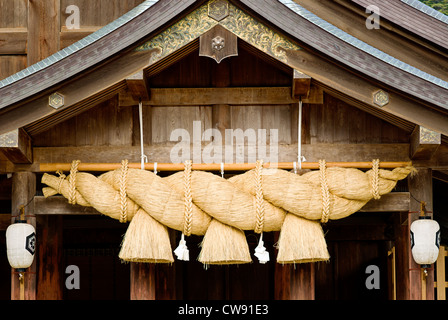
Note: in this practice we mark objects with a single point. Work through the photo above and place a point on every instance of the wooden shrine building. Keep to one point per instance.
(74, 92)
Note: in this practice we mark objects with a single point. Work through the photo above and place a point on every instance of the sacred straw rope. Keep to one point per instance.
(72, 182)
(259, 197)
(325, 192)
(188, 199)
(123, 196)
(376, 179)
(62, 177)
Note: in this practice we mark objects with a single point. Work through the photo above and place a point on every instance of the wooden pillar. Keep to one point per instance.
(49, 257)
(23, 191)
(411, 284)
(143, 281)
(295, 282)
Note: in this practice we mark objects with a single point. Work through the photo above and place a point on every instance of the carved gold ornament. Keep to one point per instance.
(205, 18)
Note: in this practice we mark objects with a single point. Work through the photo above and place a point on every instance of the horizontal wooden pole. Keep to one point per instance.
(101, 167)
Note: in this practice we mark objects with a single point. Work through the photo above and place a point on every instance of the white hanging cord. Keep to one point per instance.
(300, 158)
(143, 157)
(155, 167)
(222, 170)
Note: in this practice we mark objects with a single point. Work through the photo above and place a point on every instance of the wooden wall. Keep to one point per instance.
(110, 124)
(29, 33)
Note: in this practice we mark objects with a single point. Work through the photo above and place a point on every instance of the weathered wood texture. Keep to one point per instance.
(33, 30)
(17, 146)
(23, 191)
(49, 258)
(58, 205)
(334, 121)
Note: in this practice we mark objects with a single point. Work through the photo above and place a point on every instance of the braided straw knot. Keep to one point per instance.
(72, 182)
(259, 197)
(255, 200)
(188, 199)
(123, 196)
(325, 191)
(375, 179)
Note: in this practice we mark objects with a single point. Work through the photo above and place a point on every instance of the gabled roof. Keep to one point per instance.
(428, 93)
(413, 16)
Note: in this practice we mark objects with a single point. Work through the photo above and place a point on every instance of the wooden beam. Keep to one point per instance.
(16, 146)
(58, 205)
(137, 87)
(301, 85)
(23, 191)
(161, 153)
(424, 143)
(13, 41)
(390, 202)
(213, 96)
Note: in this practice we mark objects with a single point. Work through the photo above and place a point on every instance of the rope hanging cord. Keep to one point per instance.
(188, 199)
(376, 179)
(325, 191)
(72, 181)
(123, 195)
(259, 197)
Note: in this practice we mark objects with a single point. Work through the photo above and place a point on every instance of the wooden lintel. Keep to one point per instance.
(161, 153)
(13, 41)
(228, 96)
(16, 146)
(58, 205)
(301, 85)
(391, 202)
(424, 143)
(213, 96)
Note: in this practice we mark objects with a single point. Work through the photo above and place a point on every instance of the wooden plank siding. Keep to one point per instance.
(17, 44)
(109, 124)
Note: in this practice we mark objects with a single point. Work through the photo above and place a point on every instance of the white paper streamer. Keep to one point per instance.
(260, 251)
(182, 252)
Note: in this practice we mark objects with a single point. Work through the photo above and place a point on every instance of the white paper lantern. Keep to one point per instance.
(20, 245)
(425, 241)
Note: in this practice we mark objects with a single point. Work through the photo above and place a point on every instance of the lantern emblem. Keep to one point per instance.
(30, 243)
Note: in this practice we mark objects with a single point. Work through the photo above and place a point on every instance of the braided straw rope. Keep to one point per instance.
(188, 199)
(62, 177)
(325, 191)
(259, 197)
(375, 179)
(72, 181)
(123, 196)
